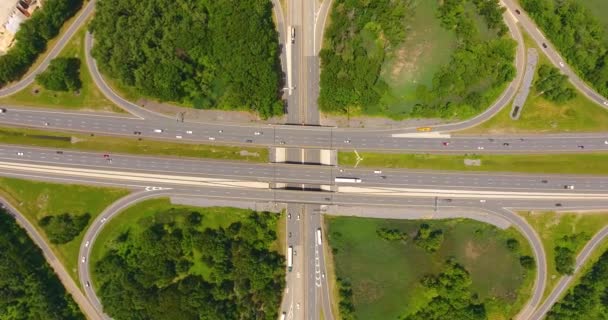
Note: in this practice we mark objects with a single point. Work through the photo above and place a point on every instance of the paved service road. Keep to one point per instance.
(565, 282)
(85, 306)
(65, 38)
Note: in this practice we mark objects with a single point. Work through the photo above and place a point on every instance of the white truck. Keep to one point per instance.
(293, 34)
(348, 180)
(283, 316)
(318, 236)
(290, 258)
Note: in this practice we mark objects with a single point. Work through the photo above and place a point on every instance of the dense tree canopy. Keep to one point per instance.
(28, 287)
(63, 74)
(65, 227)
(588, 299)
(452, 297)
(427, 239)
(363, 33)
(210, 54)
(577, 34)
(150, 274)
(33, 35)
(553, 85)
(391, 234)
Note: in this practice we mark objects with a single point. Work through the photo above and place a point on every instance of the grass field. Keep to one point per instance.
(73, 141)
(385, 275)
(89, 97)
(543, 116)
(139, 216)
(427, 47)
(551, 226)
(38, 199)
(584, 163)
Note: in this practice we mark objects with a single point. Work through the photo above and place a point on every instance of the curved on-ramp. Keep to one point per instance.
(70, 286)
(133, 198)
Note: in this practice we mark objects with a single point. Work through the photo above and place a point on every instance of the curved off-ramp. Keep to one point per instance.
(61, 43)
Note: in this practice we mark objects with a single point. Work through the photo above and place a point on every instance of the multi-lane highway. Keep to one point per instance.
(307, 292)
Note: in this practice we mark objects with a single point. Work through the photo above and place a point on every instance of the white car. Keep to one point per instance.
(178, 137)
(569, 187)
(84, 259)
(189, 132)
(158, 130)
(606, 103)
(482, 201)
(480, 148)
(561, 64)
(87, 284)
(220, 131)
(211, 138)
(87, 244)
(377, 171)
(103, 220)
(346, 141)
(605, 141)
(20, 154)
(257, 133)
(2, 110)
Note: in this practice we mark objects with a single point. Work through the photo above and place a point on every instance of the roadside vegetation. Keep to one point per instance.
(32, 37)
(40, 201)
(563, 236)
(383, 272)
(84, 142)
(162, 261)
(580, 163)
(578, 35)
(87, 97)
(366, 38)
(63, 74)
(587, 300)
(30, 288)
(206, 54)
(541, 115)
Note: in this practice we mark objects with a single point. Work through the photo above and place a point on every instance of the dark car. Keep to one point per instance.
(59, 152)
(544, 45)
(517, 11)
(558, 204)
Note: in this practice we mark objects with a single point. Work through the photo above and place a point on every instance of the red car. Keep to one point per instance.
(445, 144)
(106, 156)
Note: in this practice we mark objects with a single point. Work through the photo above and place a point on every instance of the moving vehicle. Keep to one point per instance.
(84, 259)
(88, 284)
(189, 132)
(178, 137)
(211, 138)
(561, 64)
(283, 316)
(348, 180)
(20, 154)
(424, 129)
(158, 130)
(87, 244)
(60, 152)
(293, 35)
(257, 133)
(290, 258)
(517, 11)
(2, 110)
(377, 171)
(569, 187)
(318, 236)
(445, 144)
(544, 45)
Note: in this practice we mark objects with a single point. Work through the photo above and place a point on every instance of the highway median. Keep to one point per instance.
(581, 163)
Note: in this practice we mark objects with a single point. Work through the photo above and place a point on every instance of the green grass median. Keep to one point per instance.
(74, 141)
(587, 163)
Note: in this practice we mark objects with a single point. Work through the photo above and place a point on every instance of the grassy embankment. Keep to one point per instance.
(540, 115)
(552, 226)
(38, 199)
(88, 98)
(588, 163)
(139, 216)
(75, 141)
(385, 276)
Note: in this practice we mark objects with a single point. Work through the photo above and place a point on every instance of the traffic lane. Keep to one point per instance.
(298, 136)
(309, 174)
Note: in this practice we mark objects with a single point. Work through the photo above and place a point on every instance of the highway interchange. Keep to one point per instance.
(307, 294)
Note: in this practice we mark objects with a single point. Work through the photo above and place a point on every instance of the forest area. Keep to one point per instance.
(29, 287)
(586, 300)
(216, 54)
(176, 266)
(362, 35)
(578, 36)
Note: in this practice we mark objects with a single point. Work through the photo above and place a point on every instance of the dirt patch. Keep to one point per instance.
(473, 251)
(367, 291)
(472, 162)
